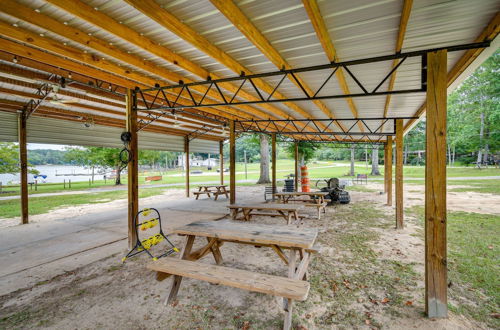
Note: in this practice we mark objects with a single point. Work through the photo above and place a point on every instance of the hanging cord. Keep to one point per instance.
(125, 155)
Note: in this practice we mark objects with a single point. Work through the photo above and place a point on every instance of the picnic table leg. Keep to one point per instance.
(216, 252)
(207, 191)
(288, 303)
(247, 216)
(216, 194)
(176, 282)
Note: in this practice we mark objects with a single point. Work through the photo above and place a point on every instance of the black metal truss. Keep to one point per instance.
(160, 97)
(33, 104)
(336, 144)
(232, 100)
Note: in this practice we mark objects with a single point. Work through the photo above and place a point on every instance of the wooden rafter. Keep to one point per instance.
(317, 21)
(154, 11)
(242, 23)
(490, 32)
(403, 23)
(99, 19)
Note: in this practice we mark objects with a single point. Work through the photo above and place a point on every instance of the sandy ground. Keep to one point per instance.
(108, 294)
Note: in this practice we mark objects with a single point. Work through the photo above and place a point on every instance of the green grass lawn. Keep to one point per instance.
(473, 264)
(480, 186)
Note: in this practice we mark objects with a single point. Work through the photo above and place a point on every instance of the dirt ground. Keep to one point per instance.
(367, 276)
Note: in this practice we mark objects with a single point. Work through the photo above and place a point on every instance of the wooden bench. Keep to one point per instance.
(249, 210)
(313, 199)
(198, 193)
(243, 279)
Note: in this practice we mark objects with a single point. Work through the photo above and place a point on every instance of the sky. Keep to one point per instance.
(34, 146)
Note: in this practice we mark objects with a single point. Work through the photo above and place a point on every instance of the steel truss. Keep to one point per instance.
(290, 127)
(33, 104)
(336, 145)
(231, 100)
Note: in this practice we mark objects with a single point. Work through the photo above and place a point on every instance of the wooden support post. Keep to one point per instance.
(186, 152)
(232, 163)
(296, 178)
(435, 187)
(133, 167)
(23, 162)
(399, 174)
(273, 162)
(221, 160)
(388, 174)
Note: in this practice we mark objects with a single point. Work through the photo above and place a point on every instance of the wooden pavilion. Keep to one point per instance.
(185, 75)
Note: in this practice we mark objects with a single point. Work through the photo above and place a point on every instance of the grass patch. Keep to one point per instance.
(360, 188)
(480, 186)
(473, 259)
(39, 205)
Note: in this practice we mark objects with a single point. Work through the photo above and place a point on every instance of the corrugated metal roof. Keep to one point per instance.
(358, 29)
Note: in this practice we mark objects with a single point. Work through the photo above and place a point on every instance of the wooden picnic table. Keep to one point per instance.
(315, 199)
(209, 189)
(248, 210)
(299, 242)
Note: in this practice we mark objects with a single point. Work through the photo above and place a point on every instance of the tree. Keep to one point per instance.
(264, 159)
(351, 172)
(375, 170)
(9, 159)
(97, 156)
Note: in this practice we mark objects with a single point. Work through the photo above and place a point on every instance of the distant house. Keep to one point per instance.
(197, 161)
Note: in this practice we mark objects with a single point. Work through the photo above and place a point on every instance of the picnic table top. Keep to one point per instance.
(212, 185)
(302, 193)
(268, 206)
(252, 233)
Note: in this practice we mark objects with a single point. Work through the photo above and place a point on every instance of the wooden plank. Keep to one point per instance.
(232, 163)
(159, 14)
(288, 303)
(435, 187)
(388, 175)
(176, 282)
(237, 278)
(133, 169)
(186, 159)
(489, 33)
(318, 23)
(268, 206)
(399, 174)
(99, 19)
(285, 237)
(403, 23)
(23, 163)
(280, 253)
(273, 161)
(221, 161)
(216, 252)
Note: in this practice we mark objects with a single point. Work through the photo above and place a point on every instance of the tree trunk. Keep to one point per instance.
(486, 154)
(480, 148)
(264, 159)
(118, 175)
(375, 170)
(405, 159)
(351, 173)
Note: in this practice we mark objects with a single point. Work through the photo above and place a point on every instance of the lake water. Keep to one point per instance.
(56, 173)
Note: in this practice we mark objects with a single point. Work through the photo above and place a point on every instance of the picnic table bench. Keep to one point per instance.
(215, 190)
(299, 242)
(314, 199)
(248, 210)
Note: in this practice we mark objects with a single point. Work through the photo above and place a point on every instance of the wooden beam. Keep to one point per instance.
(296, 158)
(221, 161)
(399, 174)
(489, 33)
(232, 163)
(99, 63)
(186, 160)
(23, 163)
(403, 23)
(273, 161)
(242, 23)
(154, 11)
(318, 23)
(99, 19)
(388, 174)
(133, 169)
(435, 187)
